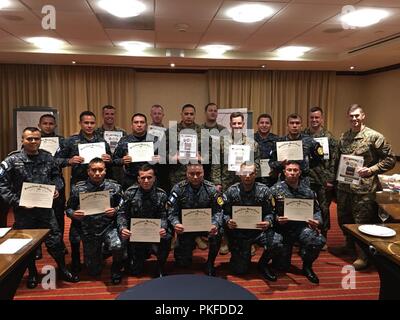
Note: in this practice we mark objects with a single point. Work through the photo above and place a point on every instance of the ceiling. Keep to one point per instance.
(93, 35)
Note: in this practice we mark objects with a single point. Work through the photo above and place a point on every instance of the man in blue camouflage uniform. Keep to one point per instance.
(69, 156)
(249, 193)
(121, 156)
(47, 125)
(356, 203)
(266, 142)
(101, 228)
(313, 152)
(145, 200)
(192, 193)
(323, 175)
(305, 232)
(30, 164)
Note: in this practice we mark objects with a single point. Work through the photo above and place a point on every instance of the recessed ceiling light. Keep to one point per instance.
(292, 52)
(172, 65)
(135, 46)
(73, 62)
(47, 44)
(122, 8)
(216, 50)
(4, 4)
(352, 68)
(263, 66)
(249, 13)
(364, 17)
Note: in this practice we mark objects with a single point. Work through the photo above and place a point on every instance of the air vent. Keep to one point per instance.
(333, 30)
(375, 43)
(142, 22)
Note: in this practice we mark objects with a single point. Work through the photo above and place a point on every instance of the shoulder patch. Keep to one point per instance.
(220, 201)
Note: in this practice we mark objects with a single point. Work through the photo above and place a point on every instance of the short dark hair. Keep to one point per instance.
(96, 160)
(108, 106)
(264, 115)
(86, 113)
(315, 109)
(47, 115)
(188, 105)
(293, 162)
(236, 114)
(294, 116)
(138, 114)
(32, 129)
(210, 104)
(146, 167)
(354, 107)
(192, 164)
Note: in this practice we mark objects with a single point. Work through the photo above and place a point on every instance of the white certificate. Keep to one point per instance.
(157, 131)
(37, 195)
(11, 246)
(50, 144)
(265, 168)
(112, 138)
(141, 151)
(324, 142)
(145, 230)
(348, 169)
(290, 150)
(298, 209)
(91, 150)
(246, 217)
(94, 202)
(3, 231)
(237, 155)
(187, 145)
(196, 220)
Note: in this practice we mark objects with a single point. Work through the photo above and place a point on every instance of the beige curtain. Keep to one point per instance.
(278, 93)
(69, 89)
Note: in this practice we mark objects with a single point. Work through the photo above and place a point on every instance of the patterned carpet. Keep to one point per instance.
(290, 286)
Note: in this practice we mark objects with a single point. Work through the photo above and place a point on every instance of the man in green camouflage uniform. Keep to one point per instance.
(322, 176)
(356, 203)
(220, 175)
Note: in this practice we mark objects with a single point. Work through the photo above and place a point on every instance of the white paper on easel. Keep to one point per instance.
(11, 246)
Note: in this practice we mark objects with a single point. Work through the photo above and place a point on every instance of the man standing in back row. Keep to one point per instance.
(356, 203)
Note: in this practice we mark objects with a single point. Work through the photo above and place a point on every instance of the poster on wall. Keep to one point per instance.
(29, 117)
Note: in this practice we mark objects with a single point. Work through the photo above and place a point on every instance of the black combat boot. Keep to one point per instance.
(214, 246)
(63, 272)
(33, 277)
(263, 268)
(116, 271)
(309, 273)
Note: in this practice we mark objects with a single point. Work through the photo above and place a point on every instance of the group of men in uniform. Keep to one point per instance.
(204, 180)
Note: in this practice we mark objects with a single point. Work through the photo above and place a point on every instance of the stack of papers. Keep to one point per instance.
(3, 231)
(11, 246)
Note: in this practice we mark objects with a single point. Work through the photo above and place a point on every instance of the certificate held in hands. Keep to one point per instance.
(94, 202)
(37, 195)
(196, 220)
(141, 151)
(290, 150)
(299, 209)
(145, 230)
(246, 217)
(50, 144)
(90, 151)
(348, 169)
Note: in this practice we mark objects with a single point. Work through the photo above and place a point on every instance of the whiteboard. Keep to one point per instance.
(224, 117)
(29, 117)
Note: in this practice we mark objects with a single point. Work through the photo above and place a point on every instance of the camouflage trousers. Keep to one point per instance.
(139, 252)
(185, 245)
(92, 249)
(324, 197)
(39, 218)
(311, 242)
(240, 243)
(356, 208)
